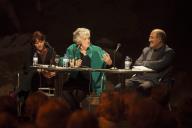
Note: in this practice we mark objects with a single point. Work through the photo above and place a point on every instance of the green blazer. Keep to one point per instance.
(95, 54)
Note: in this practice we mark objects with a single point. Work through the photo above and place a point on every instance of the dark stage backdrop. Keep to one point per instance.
(128, 22)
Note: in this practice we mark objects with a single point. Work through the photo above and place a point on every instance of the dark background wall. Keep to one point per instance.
(123, 21)
(128, 22)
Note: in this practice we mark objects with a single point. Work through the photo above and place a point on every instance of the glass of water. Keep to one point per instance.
(57, 57)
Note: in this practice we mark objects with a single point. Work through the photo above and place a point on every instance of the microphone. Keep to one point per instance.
(118, 46)
(75, 50)
(48, 45)
(78, 46)
(114, 55)
(53, 52)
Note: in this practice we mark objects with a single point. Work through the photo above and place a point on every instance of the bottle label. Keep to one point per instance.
(35, 61)
(65, 62)
(127, 64)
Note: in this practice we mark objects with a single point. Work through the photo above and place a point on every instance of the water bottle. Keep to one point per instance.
(128, 62)
(65, 61)
(35, 59)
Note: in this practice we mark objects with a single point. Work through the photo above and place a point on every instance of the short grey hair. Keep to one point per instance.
(81, 33)
(161, 34)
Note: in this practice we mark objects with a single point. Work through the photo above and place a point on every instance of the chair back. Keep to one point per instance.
(167, 77)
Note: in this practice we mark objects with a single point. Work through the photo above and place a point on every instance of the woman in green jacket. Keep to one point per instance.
(84, 54)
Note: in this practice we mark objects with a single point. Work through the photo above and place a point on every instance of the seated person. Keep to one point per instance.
(158, 56)
(84, 54)
(31, 78)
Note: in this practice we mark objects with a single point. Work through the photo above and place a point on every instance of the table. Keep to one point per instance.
(59, 83)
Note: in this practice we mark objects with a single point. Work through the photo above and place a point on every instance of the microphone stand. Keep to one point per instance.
(75, 50)
(74, 53)
(53, 54)
(114, 57)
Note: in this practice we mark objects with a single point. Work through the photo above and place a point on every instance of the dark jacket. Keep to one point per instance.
(159, 60)
(30, 78)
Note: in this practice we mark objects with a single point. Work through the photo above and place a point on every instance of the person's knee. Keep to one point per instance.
(146, 85)
(79, 95)
(129, 83)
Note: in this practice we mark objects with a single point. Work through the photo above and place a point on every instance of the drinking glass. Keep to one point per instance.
(57, 57)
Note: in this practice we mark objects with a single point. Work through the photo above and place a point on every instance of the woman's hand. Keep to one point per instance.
(78, 63)
(75, 63)
(107, 59)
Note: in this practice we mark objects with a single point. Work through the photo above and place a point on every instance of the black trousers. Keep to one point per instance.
(75, 90)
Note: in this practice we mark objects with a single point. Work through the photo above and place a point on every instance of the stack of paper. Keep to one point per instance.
(141, 68)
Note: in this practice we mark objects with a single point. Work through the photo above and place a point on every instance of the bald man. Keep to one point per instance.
(157, 56)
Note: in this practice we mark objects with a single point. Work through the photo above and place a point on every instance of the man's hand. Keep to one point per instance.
(48, 74)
